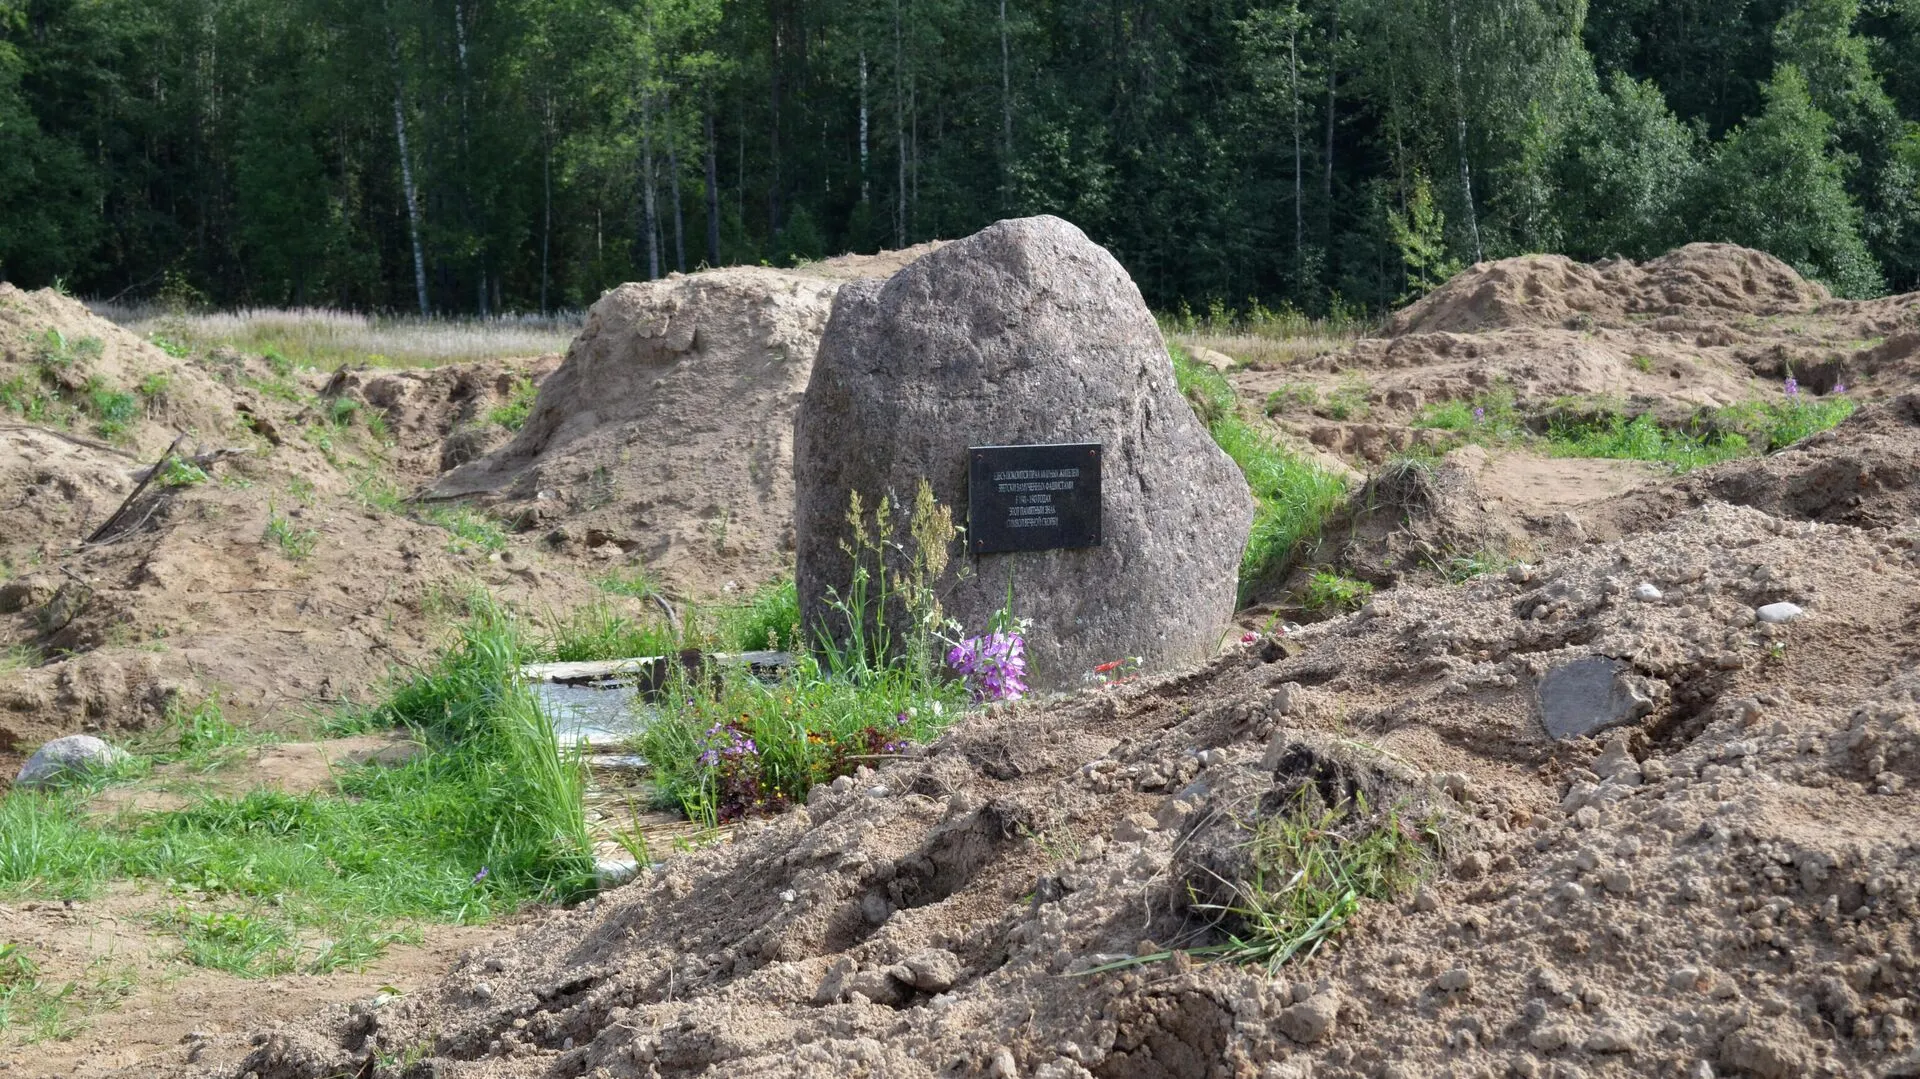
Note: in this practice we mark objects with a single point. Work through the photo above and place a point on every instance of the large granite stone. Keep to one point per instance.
(1025, 333)
(1590, 694)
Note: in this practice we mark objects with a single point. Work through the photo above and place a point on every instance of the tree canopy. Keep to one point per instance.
(492, 155)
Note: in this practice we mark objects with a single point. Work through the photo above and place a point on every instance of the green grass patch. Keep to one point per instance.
(471, 531)
(1331, 594)
(1292, 397)
(294, 542)
(769, 619)
(1293, 497)
(513, 414)
(635, 583)
(488, 819)
(179, 472)
(599, 632)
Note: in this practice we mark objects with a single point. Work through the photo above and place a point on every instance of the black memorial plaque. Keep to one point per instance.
(1033, 498)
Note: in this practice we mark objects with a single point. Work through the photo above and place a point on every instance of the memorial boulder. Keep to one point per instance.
(1021, 375)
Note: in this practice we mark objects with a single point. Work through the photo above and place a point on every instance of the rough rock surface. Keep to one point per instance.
(68, 757)
(1025, 333)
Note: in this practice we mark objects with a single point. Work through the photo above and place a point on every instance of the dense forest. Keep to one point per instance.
(481, 156)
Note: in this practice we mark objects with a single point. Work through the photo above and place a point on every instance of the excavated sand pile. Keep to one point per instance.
(1728, 885)
(191, 595)
(1711, 280)
(667, 433)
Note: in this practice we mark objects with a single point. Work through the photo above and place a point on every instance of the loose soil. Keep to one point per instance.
(1727, 884)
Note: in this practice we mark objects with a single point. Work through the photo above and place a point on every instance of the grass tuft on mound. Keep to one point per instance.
(1293, 497)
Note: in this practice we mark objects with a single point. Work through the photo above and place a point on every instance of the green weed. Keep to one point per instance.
(294, 542)
(375, 491)
(155, 384)
(1309, 870)
(1348, 401)
(600, 632)
(341, 410)
(33, 1011)
(179, 472)
(487, 819)
(1466, 567)
(519, 405)
(1642, 438)
(113, 409)
(171, 347)
(768, 619)
(1642, 363)
(636, 583)
(1293, 397)
(1487, 418)
(277, 362)
(471, 530)
(1332, 593)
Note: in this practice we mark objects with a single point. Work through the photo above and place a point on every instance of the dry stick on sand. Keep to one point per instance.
(139, 487)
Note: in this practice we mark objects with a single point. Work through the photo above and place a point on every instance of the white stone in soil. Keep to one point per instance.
(1779, 612)
(72, 756)
(1646, 592)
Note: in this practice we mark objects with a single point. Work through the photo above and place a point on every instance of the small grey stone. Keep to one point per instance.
(1778, 612)
(1646, 592)
(613, 872)
(1311, 1020)
(70, 757)
(1000, 1064)
(482, 991)
(1612, 1040)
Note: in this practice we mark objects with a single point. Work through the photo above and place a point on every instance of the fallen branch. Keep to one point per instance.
(137, 489)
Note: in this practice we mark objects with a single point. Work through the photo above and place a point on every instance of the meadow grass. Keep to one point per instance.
(1264, 337)
(471, 530)
(489, 818)
(327, 338)
(1293, 497)
(1708, 438)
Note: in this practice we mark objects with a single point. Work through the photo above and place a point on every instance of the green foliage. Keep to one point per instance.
(173, 348)
(519, 405)
(340, 411)
(155, 384)
(1420, 236)
(113, 410)
(1642, 438)
(314, 883)
(1623, 174)
(1293, 497)
(1331, 594)
(1774, 185)
(294, 542)
(33, 1010)
(1489, 417)
(600, 632)
(471, 530)
(179, 472)
(1293, 397)
(635, 583)
(1310, 868)
(769, 619)
(1348, 401)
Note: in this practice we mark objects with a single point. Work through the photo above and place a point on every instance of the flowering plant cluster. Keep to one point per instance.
(739, 785)
(1793, 386)
(994, 665)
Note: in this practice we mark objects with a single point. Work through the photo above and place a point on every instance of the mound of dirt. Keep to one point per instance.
(286, 579)
(1732, 883)
(1712, 280)
(667, 434)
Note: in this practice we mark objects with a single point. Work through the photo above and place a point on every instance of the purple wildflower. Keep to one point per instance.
(1793, 386)
(995, 666)
(1839, 387)
(480, 876)
(1479, 414)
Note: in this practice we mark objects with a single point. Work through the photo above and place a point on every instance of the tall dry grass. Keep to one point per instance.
(324, 337)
